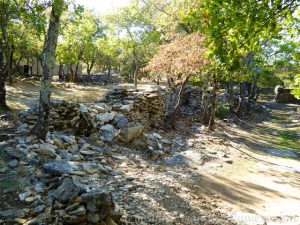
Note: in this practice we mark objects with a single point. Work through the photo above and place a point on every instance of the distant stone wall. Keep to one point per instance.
(192, 99)
(119, 113)
(283, 95)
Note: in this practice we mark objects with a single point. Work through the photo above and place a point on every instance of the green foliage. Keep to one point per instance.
(296, 88)
(222, 111)
(269, 79)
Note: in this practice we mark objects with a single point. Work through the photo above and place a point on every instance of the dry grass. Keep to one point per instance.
(22, 96)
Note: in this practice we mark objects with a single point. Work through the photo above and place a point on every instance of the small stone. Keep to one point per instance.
(30, 138)
(93, 217)
(40, 187)
(72, 207)
(29, 199)
(57, 168)
(157, 135)
(70, 139)
(83, 109)
(11, 213)
(39, 209)
(127, 135)
(129, 187)
(105, 117)
(126, 108)
(88, 152)
(229, 161)
(108, 132)
(20, 220)
(66, 191)
(71, 219)
(3, 169)
(62, 213)
(24, 195)
(78, 173)
(13, 163)
(78, 212)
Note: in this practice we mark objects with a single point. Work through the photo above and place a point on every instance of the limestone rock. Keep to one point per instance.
(105, 117)
(130, 133)
(57, 168)
(108, 132)
(66, 191)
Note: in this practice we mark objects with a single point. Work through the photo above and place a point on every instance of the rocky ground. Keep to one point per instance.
(190, 176)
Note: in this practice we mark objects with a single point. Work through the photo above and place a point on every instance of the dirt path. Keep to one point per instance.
(263, 178)
(218, 176)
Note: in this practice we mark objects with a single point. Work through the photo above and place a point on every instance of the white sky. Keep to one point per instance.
(103, 6)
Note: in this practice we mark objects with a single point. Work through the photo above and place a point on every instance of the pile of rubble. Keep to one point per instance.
(63, 115)
(283, 95)
(117, 113)
(61, 169)
(191, 103)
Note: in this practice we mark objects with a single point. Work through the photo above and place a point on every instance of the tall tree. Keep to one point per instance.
(4, 52)
(48, 61)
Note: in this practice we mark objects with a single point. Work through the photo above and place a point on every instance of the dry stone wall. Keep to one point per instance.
(283, 95)
(120, 115)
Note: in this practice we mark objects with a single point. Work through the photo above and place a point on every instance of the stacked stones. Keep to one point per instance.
(61, 195)
(283, 95)
(146, 108)
(120, 113)
(63, 115)
(192, 100)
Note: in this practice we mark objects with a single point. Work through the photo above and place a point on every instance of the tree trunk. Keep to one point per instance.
(61, 72)
(171, 119)
(242, 102)
(2, 81)
(254, 90)
(42, 126)
(9, 64)
(37, 66)
(231, 93)
(88, 72)
(108, 75)
(211, 125)
(3, 50)
(72, 74)
(205, 105)
(135, 77)
(77, 65)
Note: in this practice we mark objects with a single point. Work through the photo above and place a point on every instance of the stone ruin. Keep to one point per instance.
(78, 145)
(116, 113)
(283, 95)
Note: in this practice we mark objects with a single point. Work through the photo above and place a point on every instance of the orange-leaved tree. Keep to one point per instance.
(180, 59)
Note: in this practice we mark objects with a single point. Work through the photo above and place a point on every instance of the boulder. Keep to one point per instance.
(57, 168)
(120, 121)
(126, 108)
(105, 117)
(128, 134)
(66, 191)
(108, 132)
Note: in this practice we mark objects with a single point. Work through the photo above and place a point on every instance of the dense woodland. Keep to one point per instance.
(240, 48)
